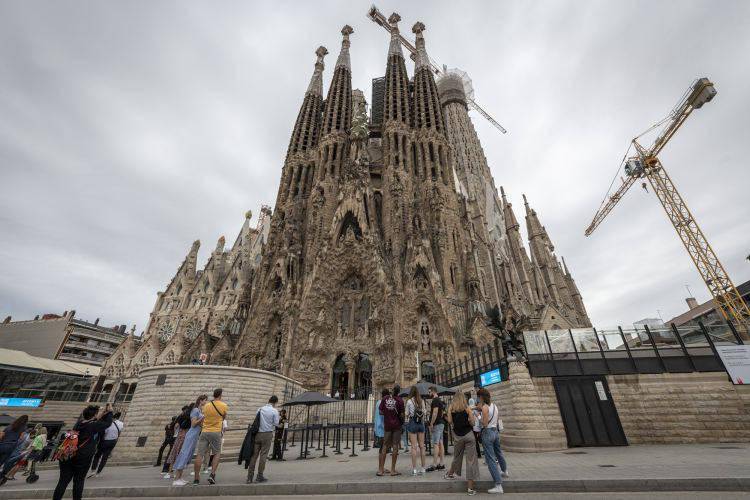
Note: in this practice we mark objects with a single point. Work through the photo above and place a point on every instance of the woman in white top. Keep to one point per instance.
(491, 439)
(415, 415)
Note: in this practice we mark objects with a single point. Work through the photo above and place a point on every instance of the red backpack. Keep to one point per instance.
(69, 447)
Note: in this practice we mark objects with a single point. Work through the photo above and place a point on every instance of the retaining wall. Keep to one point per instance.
(153, 406)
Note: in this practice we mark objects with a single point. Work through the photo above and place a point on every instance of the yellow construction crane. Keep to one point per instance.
(645, 164)
(378, 18)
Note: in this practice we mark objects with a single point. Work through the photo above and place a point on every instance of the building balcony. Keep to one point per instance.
(107, 350)
(98, 335)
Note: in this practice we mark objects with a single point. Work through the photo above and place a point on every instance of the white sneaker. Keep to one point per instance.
(192, 472)
(506, 473)
(422, 471)
(497, 489)
(414, 472)
(166, 475)
(179, 482)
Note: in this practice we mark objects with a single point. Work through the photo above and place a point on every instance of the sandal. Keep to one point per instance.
(379, 474)
(395, 473)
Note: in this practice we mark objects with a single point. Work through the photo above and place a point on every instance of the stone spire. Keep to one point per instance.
(307, 127)
(517, 250)
(396, 79)
(575, 294)
(394, 49)
(427, 110)
(337, 116)
(541, 252)
(316, 82)
(422, 59)
(344, 59)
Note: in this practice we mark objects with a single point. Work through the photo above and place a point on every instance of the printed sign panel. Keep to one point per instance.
(736, 359)
(21, 402)
(490, 377)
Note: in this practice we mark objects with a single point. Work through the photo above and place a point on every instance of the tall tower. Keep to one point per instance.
(378, 266)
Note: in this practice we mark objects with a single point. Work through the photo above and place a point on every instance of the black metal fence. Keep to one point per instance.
(588, 351)
(469, 368)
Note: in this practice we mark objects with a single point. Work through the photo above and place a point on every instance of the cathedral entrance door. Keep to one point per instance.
(363, 377)
(340, 380)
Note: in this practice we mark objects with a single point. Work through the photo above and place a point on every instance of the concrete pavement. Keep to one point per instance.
(704, 467)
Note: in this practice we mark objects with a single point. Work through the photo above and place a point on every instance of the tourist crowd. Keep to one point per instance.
(196, 435)
(473, 423)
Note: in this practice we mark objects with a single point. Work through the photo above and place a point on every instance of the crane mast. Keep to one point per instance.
(646, 164)
(378, 18)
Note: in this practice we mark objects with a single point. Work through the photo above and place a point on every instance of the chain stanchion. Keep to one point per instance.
(294, 435)
(338, 441)
(347, 438)
(354, 445)
(367, 438)
(318, 448)
(302, 452)
(325, 437)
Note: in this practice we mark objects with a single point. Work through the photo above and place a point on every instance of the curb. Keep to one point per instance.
(402, 487)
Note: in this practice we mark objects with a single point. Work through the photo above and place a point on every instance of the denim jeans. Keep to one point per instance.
(493, 453)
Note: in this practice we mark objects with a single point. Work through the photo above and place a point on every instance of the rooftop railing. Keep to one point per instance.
(588, 351)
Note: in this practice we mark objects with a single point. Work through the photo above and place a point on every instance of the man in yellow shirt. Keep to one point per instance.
(214, 414)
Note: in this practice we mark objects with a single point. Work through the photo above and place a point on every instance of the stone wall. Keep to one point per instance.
(528, 407)
(245, 390)
(681, 408)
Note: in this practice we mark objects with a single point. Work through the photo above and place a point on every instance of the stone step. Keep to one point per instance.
(400, 487)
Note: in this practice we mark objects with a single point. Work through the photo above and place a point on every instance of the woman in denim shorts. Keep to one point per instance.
(415, 416)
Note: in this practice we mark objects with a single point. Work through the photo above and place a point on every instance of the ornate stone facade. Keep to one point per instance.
(388, 253)
(392, 249)
(193, 317)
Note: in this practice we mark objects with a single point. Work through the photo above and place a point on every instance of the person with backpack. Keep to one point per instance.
(491, 424)
(189, 443)
(212, 434)
(106, 445)
(392, 408)
(77, 449)
(415, 415)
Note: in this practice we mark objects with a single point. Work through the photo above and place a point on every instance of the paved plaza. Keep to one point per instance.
(712, 467)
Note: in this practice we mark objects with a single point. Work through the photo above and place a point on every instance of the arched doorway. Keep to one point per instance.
(362, 377)
(427, 371)
(340, 380)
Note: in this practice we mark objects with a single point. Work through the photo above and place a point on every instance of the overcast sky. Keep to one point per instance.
(130, 129)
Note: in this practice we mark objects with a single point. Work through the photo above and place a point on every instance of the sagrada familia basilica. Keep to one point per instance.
(389, 248)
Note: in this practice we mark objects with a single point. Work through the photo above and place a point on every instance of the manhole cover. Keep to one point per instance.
(574, 453)
(607, 465)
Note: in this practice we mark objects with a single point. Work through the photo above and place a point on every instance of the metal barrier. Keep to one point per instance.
(588, 351)
(468, 369)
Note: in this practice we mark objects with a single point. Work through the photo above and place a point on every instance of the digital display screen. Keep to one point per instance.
(21, 402)
(490, 377)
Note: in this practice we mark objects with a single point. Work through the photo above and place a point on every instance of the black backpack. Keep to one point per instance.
(418, 413)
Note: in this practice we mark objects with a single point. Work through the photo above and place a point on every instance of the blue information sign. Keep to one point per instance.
(21, 402)
(490, 377)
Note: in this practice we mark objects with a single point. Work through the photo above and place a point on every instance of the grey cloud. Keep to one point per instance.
(127, 130)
